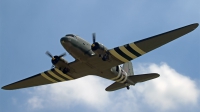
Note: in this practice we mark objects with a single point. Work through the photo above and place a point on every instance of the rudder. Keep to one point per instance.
(128, 67)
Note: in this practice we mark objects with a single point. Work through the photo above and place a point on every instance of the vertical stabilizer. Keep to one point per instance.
(128, 67)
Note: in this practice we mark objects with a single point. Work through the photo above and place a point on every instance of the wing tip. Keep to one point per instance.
(195, 25)
(157, 75)
(9, 87)
(109, 90)
(5, 88)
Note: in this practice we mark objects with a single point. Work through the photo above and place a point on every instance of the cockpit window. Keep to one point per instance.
(70, 35)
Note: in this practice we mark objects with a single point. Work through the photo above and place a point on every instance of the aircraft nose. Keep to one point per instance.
(65, 39)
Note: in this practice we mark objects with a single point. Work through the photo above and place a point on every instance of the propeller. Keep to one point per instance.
(49, 54)
(95, 45)
(62, 55)
(94, 37)
(55, 58)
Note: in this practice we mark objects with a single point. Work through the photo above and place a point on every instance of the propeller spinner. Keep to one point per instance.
(55, 58)
(95, 44)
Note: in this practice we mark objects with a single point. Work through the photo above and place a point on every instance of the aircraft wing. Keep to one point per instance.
(133, 50)
(47, 77)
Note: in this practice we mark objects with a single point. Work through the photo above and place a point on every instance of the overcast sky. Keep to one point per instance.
(29, 28)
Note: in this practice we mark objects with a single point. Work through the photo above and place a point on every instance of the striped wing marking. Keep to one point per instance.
(127, 52)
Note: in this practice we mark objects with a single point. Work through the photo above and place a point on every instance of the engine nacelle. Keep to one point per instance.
(98, 48)
(121, 75)
(61, 63)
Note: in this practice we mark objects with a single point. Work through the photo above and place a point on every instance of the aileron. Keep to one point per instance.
(154, 42)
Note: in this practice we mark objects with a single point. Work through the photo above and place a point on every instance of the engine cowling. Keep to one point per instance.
(59, 62)
(98, 48)
(57, 59)
(121, 75)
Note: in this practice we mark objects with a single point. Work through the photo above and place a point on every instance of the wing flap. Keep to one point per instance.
(133, 50)
(47, 77)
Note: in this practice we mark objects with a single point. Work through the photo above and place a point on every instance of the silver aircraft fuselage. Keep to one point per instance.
(77, 47)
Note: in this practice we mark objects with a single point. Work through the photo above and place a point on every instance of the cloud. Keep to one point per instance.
(172, 91)
(87, 91)
(35, 102)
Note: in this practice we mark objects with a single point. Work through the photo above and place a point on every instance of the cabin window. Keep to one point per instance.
(70, 35)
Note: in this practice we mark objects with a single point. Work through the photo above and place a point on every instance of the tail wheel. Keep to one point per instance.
(128, 87)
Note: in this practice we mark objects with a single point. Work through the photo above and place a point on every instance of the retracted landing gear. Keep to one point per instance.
(65, 70)
(105, 57)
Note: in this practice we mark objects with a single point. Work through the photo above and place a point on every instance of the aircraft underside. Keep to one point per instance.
(98, 60)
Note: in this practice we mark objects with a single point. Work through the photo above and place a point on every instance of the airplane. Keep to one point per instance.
(97, 60)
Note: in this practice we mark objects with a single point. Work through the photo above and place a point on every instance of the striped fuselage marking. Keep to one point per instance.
(121, 76)
(127, 52)
(55, 75)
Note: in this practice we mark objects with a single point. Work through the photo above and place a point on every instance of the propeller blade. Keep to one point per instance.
(94, 37)
(62, 55)
(49, 54)
(55, 58)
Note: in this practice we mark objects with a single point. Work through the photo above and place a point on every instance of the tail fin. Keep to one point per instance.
(128, 67)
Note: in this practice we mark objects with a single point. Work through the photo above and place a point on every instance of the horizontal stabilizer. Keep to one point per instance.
(134, 78)
(115, 86)
(143, 77)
